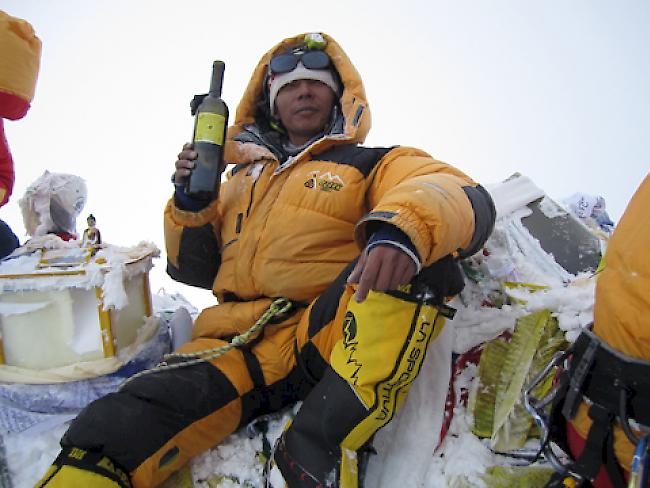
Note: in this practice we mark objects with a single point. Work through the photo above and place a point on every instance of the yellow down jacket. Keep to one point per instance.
(289, 228)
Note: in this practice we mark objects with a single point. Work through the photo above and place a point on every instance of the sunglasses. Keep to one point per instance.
(284, 63)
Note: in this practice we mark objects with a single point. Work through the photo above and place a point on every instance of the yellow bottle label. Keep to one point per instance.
(209, 128)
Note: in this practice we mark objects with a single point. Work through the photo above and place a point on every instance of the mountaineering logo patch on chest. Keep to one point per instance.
(324, 181)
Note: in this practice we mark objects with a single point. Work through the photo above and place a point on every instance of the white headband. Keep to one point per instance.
(300, 73)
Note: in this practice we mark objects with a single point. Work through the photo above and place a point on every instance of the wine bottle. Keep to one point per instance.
(210, 125)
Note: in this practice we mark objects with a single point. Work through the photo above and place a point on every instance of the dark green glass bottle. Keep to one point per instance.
(210, 125)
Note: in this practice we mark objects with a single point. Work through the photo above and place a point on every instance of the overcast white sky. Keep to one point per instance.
(555, 89)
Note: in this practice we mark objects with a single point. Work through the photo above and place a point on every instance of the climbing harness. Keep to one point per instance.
(614, 386)
(279, 308)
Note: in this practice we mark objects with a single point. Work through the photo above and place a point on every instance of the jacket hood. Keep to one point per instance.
(354, 105)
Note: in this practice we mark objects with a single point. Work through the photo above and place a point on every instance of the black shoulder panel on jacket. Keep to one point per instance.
(484, 216)
(362, 158)
(198, 257)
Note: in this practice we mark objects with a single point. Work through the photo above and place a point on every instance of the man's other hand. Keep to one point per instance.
(382, 268)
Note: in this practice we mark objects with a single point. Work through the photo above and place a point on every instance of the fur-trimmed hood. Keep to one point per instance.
(354, 105)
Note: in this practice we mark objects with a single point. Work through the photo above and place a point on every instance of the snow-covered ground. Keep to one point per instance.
(408, 450)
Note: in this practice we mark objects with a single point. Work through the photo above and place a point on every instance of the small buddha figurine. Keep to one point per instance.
(91, 236)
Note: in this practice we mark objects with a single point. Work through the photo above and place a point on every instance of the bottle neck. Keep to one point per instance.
(217, 78)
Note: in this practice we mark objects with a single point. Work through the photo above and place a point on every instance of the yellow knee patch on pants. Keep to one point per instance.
(78, 468)
(384, 342)
(73, 477)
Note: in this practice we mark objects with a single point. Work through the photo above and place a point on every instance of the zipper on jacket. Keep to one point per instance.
(240, 216)
(250, 199)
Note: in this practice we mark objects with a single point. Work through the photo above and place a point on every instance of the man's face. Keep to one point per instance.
(304, 108)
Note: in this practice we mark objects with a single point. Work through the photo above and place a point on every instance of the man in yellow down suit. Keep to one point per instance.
(360, 243)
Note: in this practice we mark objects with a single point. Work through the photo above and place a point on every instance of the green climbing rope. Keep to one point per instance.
(279, 307)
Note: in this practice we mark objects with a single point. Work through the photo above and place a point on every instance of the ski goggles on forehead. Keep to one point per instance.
(284, 63)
